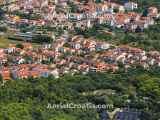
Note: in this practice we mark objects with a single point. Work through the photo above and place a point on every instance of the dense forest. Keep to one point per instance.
(27, 99)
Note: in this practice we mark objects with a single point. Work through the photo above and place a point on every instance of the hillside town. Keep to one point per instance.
(64, 14)
(71, 53)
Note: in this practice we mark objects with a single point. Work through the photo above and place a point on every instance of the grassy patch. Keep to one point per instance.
(4, 42)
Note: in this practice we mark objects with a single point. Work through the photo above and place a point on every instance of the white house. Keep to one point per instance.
(130, 6)
(55, 73)
(121, 8)
(75, 16)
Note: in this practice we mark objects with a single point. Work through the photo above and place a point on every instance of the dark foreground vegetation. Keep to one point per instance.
(28, 99)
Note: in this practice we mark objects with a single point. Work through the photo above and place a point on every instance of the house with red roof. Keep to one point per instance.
(5, 73)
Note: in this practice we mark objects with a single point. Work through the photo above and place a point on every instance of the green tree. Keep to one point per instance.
(15, 111)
